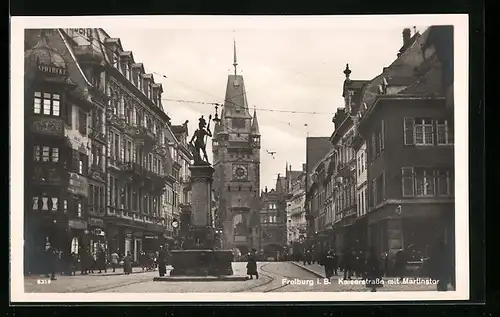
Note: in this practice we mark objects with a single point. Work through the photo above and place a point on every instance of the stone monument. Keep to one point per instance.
(199, 257)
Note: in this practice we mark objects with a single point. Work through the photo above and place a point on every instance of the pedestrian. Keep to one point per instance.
(114, 260)
(127, 264)
(440, 266)
(161, 260)
(252, 264)
(335, 262)
(74, 263)
(143, 259)
(52, 260)
(101, 261)
(373, 271)
(347, 263)
(329, 264)
(400, 264)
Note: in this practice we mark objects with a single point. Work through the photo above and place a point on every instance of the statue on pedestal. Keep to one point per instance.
(198, 138)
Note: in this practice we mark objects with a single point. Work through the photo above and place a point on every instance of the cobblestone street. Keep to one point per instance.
(274, 277)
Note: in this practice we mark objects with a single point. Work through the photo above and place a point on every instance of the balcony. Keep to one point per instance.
(96, 134)
(145, 138)
(135, 218)
(97, 211)
(114, 121)
(49, 126)
(132, 169)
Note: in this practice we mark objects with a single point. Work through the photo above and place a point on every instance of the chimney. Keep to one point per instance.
(304, 167)
(406, 37)
(265, 190)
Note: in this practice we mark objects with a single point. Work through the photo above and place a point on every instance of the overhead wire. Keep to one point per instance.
(117, 58)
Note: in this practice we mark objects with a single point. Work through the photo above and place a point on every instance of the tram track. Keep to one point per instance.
(272, 276)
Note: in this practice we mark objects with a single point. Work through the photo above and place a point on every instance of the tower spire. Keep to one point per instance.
(235, 61)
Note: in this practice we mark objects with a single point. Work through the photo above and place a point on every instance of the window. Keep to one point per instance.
(418, 131)
(444, 183)
(82, 122)
(378, 189)
(424, 182)
(79, 209)
(407, 181)
(362, 162)
(44, 203)
(377, 142)
(65, 206)
(96, 154)
(444, 131)
(69, 114)
(74, 245)
(46, 103)
(45, 154)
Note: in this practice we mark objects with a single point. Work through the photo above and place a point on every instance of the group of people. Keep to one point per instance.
(374, 266)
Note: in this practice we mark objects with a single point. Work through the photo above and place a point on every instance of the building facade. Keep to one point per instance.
(410, 139)
(182, 211)
(101, 146)
(295, 211)
(272, 240)
(316, 150)
(236, 160)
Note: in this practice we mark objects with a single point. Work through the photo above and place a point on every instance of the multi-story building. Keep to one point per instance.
(295, 211)
(122, 147)
(409, 133)
(272, 232)
(345, 176)
(58, 99)
(236, 160)
(184, 157)
(316, 149)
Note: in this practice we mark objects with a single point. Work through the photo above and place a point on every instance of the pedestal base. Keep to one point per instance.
(201, 263)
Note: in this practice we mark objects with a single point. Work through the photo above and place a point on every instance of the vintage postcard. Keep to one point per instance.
(232, 158)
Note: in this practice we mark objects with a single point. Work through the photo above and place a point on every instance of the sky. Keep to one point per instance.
(284, 69)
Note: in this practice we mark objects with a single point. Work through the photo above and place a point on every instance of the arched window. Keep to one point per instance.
(74, 245)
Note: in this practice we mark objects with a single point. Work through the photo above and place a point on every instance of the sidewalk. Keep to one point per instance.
(118, 271)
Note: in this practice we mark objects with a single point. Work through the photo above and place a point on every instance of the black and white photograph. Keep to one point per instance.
(313, 158)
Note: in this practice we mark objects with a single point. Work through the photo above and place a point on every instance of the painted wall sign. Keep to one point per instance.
(96, 222)
(87, 33)
(77, 224)
(48, 126)
(52, 70)
(78, 185)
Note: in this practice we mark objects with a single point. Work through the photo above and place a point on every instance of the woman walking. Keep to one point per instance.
(127, 264)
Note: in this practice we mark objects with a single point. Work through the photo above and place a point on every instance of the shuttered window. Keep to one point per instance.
(409, 136)
(407, 181)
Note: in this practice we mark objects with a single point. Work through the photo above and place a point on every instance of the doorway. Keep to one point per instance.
(137, 249)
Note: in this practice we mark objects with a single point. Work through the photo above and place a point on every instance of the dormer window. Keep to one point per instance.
(123, 68)
(140, 82)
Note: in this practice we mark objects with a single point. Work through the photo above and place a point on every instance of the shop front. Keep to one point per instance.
(78, 234)
(151, 242)
(97, 236)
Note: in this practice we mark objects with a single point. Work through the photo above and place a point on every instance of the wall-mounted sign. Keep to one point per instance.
(78, 185)
(52, 70)
(87, 33)
(150, 237)
(77, 224)
(47, 126)
(96, 222)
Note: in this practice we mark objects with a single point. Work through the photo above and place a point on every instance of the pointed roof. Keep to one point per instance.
(235, 101)
(255, 124)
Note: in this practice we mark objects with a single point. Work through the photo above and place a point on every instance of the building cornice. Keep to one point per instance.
(380, 98)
